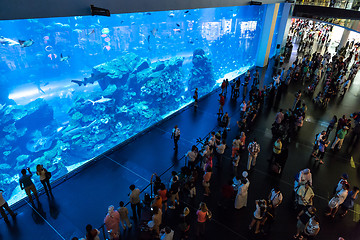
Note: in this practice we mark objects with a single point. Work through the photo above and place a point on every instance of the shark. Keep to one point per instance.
(101, 100)
(27, 43)
(77, 130)
(8, 41)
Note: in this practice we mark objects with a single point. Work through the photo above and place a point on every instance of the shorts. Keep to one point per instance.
(174, 196)
(30, 189)
(206, 184)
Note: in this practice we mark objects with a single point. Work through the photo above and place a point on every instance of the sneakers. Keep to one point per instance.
(172, 207)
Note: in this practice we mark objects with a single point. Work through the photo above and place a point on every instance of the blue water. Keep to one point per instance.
(78, 86)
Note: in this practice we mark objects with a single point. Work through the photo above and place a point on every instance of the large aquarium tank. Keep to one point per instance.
(74, 87)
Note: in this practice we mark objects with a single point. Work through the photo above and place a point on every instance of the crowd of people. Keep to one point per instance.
(209, 153)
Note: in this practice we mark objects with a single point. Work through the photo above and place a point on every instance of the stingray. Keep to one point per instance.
(39, 144)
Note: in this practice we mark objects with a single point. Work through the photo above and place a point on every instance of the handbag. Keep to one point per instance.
(208, 215)
(334, 202)
(48, 174)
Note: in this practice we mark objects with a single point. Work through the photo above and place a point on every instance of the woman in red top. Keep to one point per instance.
(162, 192)
(201, 219)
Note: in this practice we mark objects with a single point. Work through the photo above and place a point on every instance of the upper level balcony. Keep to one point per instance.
(343, 4)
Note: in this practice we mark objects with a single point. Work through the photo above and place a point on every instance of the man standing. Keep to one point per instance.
(297, 99)
(305, 194)
(28, 185)
(254, 149)
(275, 197)
(135, 201)
(196, 96)
(340, 135)
(220, 149)
(245, 84)
(256, 78)
(242, 109)
(279, 117)
(176, 136)
(221, 105)
(5, 205)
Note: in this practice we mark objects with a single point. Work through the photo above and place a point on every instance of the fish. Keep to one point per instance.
(8, 41)
(79, 82)
(27, 43)
(62, 59)
(187, 11)
(93, 31)
(154, 31)
(147, 13)
(101, 100)
(178, 25)
(74, 131)
(39, 144)
(148, 38)
(62, 25)
(171, 14)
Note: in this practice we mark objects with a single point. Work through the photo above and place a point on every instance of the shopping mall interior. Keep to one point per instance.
(95, 99)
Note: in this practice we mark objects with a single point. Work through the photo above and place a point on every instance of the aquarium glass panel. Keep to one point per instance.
(74, 87)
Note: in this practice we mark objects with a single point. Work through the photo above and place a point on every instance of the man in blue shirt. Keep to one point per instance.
(28, 185)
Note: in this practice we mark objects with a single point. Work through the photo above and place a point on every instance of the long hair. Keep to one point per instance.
(203, 207)
(89, 235)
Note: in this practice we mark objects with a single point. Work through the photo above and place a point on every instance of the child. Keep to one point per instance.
(124, 216)
(167, 234)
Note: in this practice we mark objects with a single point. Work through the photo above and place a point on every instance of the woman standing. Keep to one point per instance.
(242, 141)
(156, 219)
(259, 214)
(242, 193)
(92, 233)
(202, 215)
(162, 192)
(235, 146)
(206, 180)
(184, 225)
(44, 179)
(112, 221)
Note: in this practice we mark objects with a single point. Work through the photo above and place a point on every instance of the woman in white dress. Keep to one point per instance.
(242, 194)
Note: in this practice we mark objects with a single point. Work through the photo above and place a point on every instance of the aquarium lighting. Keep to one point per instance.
(99, 11)
(255, 3)
(21, 94)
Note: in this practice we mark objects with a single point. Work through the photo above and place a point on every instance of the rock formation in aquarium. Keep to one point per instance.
(201, 74)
